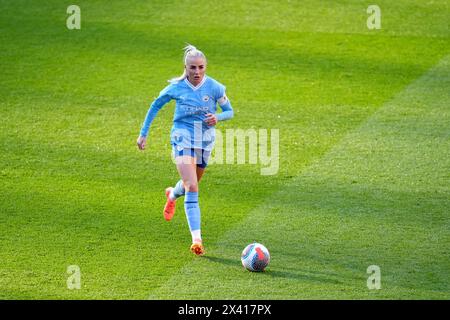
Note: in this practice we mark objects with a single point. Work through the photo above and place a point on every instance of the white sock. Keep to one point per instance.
(172, 196)
(196, 235)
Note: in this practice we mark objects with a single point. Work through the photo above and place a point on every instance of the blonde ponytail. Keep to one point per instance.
(189, 52)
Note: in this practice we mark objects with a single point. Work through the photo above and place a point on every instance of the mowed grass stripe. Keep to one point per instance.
(379, 197)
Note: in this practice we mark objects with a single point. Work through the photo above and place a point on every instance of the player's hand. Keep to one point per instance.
(211, 119)
(141, 142)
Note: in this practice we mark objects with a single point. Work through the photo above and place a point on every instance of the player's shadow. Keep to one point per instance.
(229, 262)
(279, 273)
(299, 276)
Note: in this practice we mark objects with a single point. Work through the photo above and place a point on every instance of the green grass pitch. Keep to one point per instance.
(364, 151)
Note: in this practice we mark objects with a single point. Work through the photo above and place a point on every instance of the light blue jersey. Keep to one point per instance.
(192, 104)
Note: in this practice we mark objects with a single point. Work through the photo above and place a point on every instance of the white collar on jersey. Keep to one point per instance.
(195, 87)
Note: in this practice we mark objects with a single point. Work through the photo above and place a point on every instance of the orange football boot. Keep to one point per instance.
(197, 248)
(169, 208)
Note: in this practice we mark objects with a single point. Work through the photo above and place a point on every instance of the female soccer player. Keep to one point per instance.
(192, 135)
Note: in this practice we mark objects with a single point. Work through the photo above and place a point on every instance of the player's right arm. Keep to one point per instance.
(163, 98)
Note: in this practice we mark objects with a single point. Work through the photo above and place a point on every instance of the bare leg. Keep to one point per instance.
(187, 169)
(200, 172)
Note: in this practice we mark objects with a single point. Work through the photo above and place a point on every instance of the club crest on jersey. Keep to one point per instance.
(205, 98)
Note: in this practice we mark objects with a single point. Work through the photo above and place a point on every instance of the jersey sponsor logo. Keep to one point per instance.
(190, 110)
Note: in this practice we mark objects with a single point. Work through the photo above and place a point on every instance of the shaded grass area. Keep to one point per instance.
(368, 201)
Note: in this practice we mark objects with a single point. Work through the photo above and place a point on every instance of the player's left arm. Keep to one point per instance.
(227, 109)
(225, 105)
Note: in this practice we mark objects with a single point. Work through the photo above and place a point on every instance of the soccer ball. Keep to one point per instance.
(255, 257)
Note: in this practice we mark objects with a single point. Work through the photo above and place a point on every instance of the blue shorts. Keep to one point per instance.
(201, 155)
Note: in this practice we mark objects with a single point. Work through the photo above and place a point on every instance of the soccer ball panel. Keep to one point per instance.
(255, 257)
